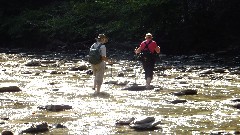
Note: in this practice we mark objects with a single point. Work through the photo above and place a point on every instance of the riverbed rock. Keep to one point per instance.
(101, 94)
(178, 101)
(236, 106)
(121, 74)
(118, 82)
(138, 88)
(235, 100)
(145, 124)
(207, 71)
(58, 126)
(146, 120)
(10, 89)
(89, 72)
(55, 108)
(220, 70)
(40, 128)
(125, 121)
(7, 133)
(79, 68)
(185, 92)
(33, 63)
(4, 118)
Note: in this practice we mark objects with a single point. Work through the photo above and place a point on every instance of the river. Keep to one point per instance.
(216, 79)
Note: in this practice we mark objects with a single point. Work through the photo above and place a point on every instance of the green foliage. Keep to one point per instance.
(176, 25)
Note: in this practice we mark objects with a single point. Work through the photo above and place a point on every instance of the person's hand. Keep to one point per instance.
(137, 50)
(110, 62)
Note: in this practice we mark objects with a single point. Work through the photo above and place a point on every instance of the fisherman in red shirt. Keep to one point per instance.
(148, 65)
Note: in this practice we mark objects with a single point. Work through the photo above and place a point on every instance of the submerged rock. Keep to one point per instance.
(185, 92)
(7, 133)
(79, 68)
(236, 106)
(178, 101)
(117, 82)
(59, 126)
(125, 121)
(145, 124)
(37, 128)
(55, 108)
(10, 89)
(235, 100)
(138, 88)
(4, 118)
(101, 94)
(33, 63)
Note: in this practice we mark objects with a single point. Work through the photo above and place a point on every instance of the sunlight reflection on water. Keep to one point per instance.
(94, 114)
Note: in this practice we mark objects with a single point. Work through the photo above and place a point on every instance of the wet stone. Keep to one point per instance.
(146, 120)
(80, 68)
(185, 92)
(33, 63)
(120, 75)
(237, 106)
(7, 133)
(178, 101)
(208, 71)
(89, 72)
(55, 89)
(58, 126)
(138, 88)
(55, 108)
(10, 89)
(125, 121)
(4, 118)
(148, 123)
(220, 70)
(235, 100)
(37, 128)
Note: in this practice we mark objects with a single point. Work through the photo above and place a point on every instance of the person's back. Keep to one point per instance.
(95, 55)
(148, 63)
(99, 68)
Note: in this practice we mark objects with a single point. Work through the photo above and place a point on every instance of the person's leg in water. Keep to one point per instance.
(94, 69)
(148, 68)
(99, 76)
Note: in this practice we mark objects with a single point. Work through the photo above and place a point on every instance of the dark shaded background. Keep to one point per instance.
(178, 26)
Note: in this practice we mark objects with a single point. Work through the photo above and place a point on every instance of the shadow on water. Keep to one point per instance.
(101, 94)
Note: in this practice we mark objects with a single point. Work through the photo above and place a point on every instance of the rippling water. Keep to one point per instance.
(207, 112)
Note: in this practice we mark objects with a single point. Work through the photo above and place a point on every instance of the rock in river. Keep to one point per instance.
(185, 92)
(10, 89)
(55, 108)
(125, 121)
(148, 123)
(37, 128)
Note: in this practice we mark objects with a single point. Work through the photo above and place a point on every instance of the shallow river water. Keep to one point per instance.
(211, 111)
